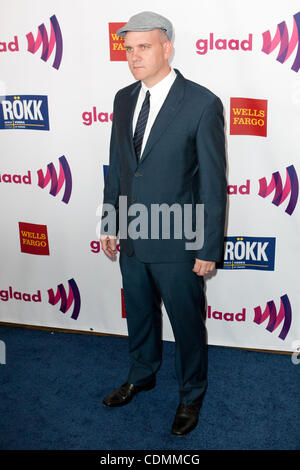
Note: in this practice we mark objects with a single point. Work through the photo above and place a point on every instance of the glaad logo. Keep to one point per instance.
(227, 316)
(202, 45)
(284, 315)
(73, 297)
(43, 40)
(89, 117)
(287, 45)
(248, 253)
(66, 301)
(24, 112)
(43, 180)
(10, 294)
(57, 181)
(291, 188)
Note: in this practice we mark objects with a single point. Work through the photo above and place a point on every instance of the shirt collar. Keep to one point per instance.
(161, 87)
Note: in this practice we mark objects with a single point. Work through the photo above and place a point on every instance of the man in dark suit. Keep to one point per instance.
(167, 151)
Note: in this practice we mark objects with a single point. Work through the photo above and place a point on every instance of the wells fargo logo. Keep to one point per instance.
(248, 116)
(284, 316)
(55, 179)
(287, 44)
(67, 301)
(44, 40)
(116, 43)
(34, 239)
(281, 193)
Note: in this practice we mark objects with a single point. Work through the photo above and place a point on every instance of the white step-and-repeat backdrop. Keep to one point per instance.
(61, 65)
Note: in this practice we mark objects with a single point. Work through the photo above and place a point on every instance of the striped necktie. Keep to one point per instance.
(141, 126)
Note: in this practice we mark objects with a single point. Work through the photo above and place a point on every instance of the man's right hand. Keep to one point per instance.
(109, 245)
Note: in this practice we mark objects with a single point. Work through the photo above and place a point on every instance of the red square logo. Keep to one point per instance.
(116, 43)
(34, 239)
(248, 116)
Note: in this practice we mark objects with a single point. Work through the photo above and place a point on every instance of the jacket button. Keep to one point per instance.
(137, 174)
(133, 199)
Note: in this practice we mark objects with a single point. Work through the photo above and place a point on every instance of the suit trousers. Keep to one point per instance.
(145, 287)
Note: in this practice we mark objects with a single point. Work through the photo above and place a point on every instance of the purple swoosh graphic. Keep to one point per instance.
(291, 188)
(287, 44)
(65, 176)
(66, 301)
(284, 315)
(48, 45)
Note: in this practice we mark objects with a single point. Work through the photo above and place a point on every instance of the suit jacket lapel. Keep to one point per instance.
(126, 117)
(166, 114)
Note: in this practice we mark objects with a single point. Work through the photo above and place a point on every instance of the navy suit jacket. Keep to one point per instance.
(183, 163)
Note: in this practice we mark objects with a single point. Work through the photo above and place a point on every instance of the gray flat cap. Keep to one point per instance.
(146, 21)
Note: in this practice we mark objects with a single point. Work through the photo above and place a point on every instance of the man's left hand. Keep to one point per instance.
(202, 267)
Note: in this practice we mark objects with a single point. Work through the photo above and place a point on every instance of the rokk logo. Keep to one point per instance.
(116, 43)
(24, 112)
(248, 116)
(287, 45)
(66, 302)
(42, 39)
(33, 239)
(291, 188)
(284, 316)
(248, 253)
(57, 182)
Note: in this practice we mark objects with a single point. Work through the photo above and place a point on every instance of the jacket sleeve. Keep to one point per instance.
(212, 185)
(110, 213)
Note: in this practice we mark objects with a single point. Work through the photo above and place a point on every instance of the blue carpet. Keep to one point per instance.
(52, 385)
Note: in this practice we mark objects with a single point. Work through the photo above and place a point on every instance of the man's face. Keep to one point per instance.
(147, 55)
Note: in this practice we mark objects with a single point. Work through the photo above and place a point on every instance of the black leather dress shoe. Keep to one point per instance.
(124, 394)
(186, 419)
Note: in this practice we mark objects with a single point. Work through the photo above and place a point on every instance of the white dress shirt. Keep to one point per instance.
(158, 94)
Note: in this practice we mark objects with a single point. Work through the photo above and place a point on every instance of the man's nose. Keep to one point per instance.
(135, 55)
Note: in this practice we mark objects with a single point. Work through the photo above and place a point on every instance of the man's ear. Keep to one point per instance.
(168, 47)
